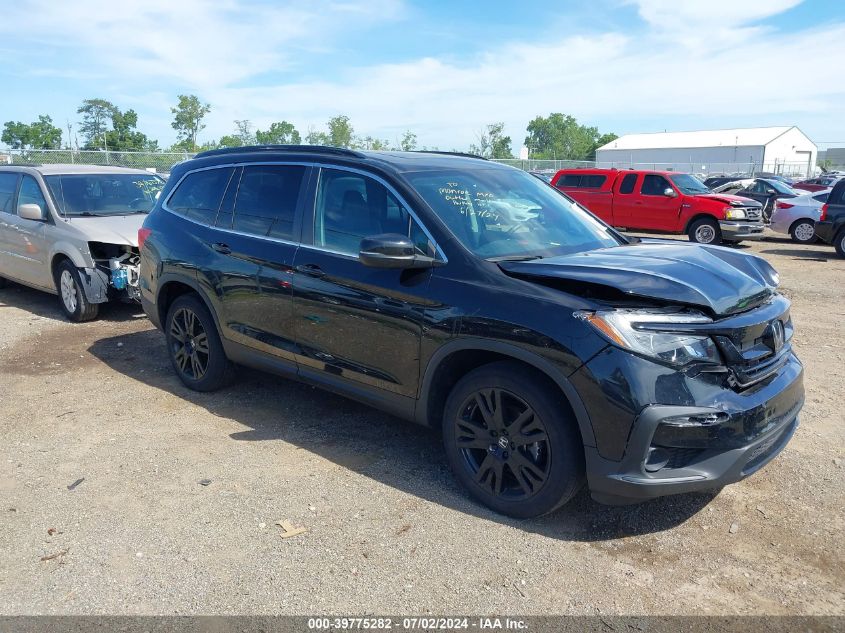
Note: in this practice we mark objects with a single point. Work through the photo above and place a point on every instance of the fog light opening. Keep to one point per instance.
(657, 458)
(704, 419)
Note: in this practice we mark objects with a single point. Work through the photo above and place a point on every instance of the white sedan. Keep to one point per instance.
(797, 217)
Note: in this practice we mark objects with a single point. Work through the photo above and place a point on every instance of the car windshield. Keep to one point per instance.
(778, 186)
(104, 194)
(689, 184)
(507, 213)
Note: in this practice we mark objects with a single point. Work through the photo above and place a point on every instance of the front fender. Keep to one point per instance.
(72, 252)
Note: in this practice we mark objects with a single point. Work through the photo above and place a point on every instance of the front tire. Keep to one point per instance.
(194, 347)
(803, 231)
(705, 231)
(72, 299)
(511, 441)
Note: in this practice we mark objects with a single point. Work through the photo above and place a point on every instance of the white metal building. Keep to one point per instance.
(782, 150)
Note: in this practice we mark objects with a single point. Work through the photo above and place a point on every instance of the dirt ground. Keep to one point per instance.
(103, 507)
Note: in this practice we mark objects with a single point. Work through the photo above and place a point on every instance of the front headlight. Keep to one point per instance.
(650, 334)
(734, 214)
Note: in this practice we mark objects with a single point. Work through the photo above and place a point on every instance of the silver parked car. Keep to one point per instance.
(72, 230)
(797, 216)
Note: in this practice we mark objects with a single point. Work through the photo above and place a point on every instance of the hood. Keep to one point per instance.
(720, 280)
(118, 229)
(727, 198)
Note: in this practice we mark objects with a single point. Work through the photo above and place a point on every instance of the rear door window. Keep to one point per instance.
(628, 183)
(199, 195)
(267, 198)
(8, 184)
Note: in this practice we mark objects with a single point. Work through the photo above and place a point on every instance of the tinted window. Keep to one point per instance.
(837, 195)
(266, 202)
(31, 193)
(592, 181)
(628, 183)
(199, 195)
(822, 197)
(350, 207)
(8, 184)
(654, 185)
(569, 180)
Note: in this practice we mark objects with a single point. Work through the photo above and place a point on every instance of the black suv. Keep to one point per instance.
(831, 226)
(473, 298)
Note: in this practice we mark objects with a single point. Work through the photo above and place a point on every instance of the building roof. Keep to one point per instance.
(737, 137)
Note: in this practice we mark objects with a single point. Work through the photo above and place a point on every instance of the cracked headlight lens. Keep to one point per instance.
(651, 334)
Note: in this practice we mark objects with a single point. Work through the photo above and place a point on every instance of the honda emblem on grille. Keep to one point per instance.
(776, 336)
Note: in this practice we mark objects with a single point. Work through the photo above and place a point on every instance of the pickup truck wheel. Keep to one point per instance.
(705, 231)
(839, 243)
(803, 231)
(72, 299)
(510, 441)
(3, 283)
(194, 346)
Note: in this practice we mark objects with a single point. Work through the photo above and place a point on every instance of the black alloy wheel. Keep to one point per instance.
(194, 346)
(503, 443)
(189, 344)
(512, 441)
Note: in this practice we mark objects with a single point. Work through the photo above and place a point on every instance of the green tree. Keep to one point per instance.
(96, 115)
(492, 143)
(244, 131)
(408, 142)
(340, 131)
(280, 133)
(230, 140)
(124, 135)
(315, 137)
(560, 136)
(41, 134)
(187, 120)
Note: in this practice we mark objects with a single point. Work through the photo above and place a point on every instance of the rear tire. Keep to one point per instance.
(3, 283)
(839, 243)
(512, 442)
(803, 231)
(194, 347)
(72, 299)
(705, 231)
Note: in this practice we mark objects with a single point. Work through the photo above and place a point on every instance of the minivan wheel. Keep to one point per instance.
(510, 441)
(72, 299)
(705, 231)
(194, 346)
(803, 232)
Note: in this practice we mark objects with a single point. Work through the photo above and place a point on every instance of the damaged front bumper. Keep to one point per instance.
(117, 281)
(735, 231)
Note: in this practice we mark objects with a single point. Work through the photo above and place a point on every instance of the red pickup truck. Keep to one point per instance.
(663, 201)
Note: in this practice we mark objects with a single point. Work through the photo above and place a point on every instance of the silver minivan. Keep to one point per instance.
(72, 230)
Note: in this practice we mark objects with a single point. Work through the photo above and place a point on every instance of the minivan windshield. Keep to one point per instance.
(689, 185)
(104, 194)
(509, 214)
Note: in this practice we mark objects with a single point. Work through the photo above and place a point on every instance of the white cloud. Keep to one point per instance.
(690, 60)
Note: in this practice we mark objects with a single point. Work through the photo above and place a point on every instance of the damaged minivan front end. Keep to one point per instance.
(116, 269)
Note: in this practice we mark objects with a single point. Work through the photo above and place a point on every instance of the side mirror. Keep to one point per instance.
(669, 192)
(391, 250)
(31, 212)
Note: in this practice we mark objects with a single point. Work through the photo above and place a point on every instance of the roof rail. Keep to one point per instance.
(437, 151)
(303, 149)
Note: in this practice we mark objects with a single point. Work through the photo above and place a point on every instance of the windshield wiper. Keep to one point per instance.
(514, 258)
(84, 214)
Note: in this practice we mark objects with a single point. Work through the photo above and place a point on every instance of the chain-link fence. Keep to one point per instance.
(162, 162)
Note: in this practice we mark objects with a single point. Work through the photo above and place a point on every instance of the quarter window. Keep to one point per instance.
(654, 185)
(31, 193)
(267, 197)
(593, 181)
(8, 184)
(350, 207)
(199, 195)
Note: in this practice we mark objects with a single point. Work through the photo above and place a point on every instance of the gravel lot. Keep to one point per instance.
(387, 528)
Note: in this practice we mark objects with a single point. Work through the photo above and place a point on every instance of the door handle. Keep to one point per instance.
(221, 248)
(312, 270)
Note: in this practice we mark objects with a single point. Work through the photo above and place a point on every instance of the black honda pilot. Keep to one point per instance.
(473, 298)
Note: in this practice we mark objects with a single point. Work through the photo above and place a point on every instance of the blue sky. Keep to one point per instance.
(441, 69)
